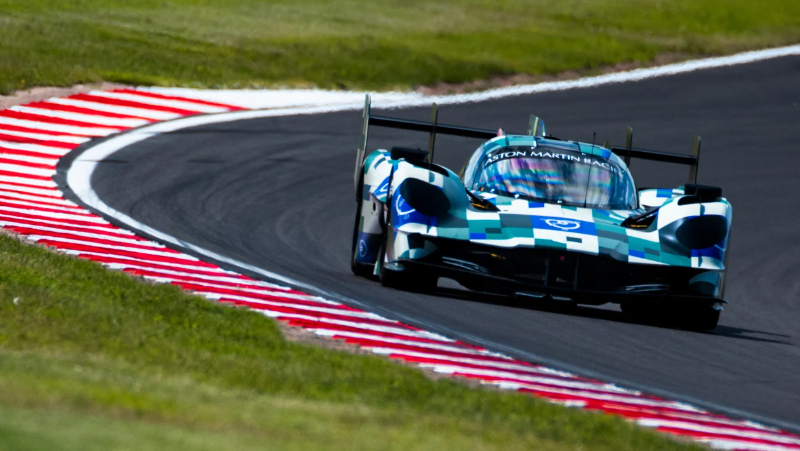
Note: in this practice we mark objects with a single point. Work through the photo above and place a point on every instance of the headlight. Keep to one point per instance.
(641, 221)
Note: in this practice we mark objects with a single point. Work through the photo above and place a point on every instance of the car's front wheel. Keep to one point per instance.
(703, 318)
(696, 317)
(406, 279)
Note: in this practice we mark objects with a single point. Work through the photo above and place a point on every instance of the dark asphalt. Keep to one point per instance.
(278, 193)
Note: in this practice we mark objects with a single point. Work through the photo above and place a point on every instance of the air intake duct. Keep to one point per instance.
(701, 232)
(427, 199)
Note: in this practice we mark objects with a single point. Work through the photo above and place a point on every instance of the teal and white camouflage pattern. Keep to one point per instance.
(520, 223)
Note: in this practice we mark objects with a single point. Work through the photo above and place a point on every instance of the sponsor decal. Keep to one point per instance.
(401, 207)
(585, 159)
(404, 213)
(531, 152)
(362, 248)
(563, 224)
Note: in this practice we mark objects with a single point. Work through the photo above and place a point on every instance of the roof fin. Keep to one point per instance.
(536, 127)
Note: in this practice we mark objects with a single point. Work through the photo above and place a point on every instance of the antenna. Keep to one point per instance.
(536, 127)
(589, 177)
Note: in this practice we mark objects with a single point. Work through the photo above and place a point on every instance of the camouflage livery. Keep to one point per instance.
(388, 225)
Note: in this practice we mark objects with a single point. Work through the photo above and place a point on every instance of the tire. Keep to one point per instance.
(406, 280)
(697, 318)
(359, 269)
(638, 310)
(701, 319)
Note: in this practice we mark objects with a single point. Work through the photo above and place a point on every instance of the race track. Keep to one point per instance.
(277, 193)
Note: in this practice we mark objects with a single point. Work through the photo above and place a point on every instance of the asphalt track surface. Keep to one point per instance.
(278, 193)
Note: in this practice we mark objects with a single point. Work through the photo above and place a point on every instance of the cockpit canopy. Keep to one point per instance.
(552, 174)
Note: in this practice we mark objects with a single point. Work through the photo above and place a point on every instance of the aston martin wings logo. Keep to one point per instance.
(563, 224)
(399, 204)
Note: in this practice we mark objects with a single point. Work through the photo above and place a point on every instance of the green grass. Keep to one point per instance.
(364, 44)
(94, 359)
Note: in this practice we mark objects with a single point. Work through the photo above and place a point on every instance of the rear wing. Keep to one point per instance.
(628, 152)
(536, 128)
(432, 128)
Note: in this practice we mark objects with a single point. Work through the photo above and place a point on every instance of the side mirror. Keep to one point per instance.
(409, 154)
(704, 192)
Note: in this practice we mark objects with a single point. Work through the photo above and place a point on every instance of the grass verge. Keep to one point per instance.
(94, 359)
(363, 44)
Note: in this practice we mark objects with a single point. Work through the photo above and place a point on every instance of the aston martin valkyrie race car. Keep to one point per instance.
(542, 219)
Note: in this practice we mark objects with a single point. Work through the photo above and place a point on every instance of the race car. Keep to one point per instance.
(541, 219)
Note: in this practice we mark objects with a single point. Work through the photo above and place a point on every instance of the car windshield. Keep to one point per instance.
(563, 177)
